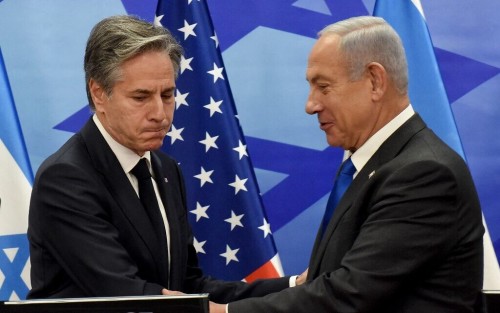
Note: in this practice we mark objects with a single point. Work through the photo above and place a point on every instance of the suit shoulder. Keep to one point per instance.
(426, 145)
(72, 147)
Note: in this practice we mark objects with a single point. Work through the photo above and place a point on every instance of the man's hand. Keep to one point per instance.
(167, 292)
(217, 308)
(301, 278)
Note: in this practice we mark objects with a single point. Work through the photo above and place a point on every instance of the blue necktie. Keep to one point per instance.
(342, 182)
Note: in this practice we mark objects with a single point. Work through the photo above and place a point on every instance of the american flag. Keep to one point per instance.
(233, 238)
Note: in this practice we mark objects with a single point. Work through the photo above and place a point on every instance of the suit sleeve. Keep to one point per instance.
(410, 225)
(71, 225)
(226, 291)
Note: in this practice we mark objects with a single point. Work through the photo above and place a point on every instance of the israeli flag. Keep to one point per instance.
(428, 95)
(15, 188)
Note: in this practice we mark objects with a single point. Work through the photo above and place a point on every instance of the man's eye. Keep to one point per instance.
(140, 99)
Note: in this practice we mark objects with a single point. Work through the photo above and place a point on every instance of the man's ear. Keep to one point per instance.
(98, 94)
(378, 79)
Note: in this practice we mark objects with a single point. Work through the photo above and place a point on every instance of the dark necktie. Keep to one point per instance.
(342, 182)
(148, 198)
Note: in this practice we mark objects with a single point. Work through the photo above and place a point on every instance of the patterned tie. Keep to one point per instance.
(342, 182)
(148, 197)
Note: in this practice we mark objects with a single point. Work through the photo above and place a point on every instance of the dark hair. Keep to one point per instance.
(116, 39)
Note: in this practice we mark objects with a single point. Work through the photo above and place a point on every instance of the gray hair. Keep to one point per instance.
(366, 39)
(116, 39)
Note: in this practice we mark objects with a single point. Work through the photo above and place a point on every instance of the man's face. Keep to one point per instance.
(344, 108)
(139, 112)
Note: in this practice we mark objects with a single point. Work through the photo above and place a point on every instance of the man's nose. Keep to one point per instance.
(158, 108)
(312, 105)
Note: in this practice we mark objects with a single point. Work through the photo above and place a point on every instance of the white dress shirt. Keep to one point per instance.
(368, 149)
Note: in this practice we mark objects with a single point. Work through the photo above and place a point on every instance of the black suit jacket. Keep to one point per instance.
(406, 237)
(90, 236)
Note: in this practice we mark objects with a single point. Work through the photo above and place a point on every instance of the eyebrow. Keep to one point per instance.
(316, 77)
(171, 89)
(148, 92)
(141, 91)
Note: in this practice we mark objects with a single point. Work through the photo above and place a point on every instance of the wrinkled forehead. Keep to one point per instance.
(327, 47)
(325, 55)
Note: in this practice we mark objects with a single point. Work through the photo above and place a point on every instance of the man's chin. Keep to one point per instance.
(154, 145)
(332, 141)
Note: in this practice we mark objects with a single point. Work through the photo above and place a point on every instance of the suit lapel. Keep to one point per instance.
(343, 206)
(387, 151)
(118, 184)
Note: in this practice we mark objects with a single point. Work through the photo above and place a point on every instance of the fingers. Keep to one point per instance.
(167, 292)
(217, 308)
(301, 278)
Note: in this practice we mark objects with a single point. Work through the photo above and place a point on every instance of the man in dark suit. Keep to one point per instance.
(406, 236)
(89, 232)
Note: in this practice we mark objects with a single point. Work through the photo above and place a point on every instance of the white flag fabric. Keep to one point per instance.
(15, 189)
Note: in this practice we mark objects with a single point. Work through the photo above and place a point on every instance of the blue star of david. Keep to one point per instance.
(286, 158)
(12, 269)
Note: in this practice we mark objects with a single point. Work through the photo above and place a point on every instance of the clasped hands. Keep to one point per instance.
(221, 308)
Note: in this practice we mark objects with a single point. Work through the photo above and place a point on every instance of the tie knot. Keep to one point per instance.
(348, 168)
(141, 170)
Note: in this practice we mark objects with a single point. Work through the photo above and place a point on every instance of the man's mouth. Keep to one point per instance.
(325, 125)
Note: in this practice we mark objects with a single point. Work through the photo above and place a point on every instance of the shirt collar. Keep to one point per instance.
(368, 149)
(127, 158)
